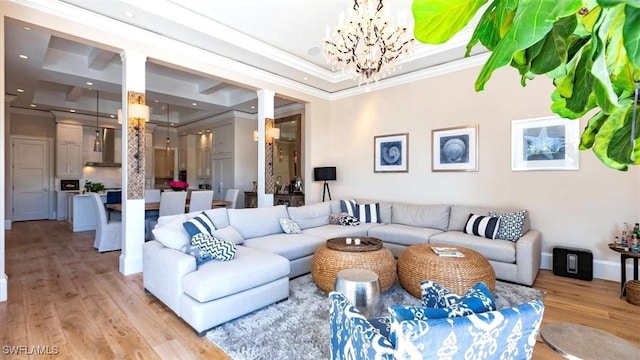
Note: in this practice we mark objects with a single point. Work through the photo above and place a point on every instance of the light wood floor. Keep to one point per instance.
(65, 295)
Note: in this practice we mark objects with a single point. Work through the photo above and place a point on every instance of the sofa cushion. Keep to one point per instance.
(349, 206)
(485, 226)
(291, 247)
(427, 216)
(219, 217)
(369, 213)
(310, 215)
(459, 214)
(289, 226)
(218, 249)
(250, 268)
(511, 224)
(384, 208)
(495, 250)
(229, 234)
(199, 224)
(257, 222)
(171, 233)
(402, 234)
(332, 231)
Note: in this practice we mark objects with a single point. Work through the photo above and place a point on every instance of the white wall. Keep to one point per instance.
(583, 208)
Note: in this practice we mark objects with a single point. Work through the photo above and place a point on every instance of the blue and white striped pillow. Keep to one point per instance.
(369, 213)
(200, 224)
(349, 206)
(486, 226)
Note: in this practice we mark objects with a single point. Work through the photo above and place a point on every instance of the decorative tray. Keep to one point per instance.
(366, 244)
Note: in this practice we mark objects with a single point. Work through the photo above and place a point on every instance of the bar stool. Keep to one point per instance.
(362, 288)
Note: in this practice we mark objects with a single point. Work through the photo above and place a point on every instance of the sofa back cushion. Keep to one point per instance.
(429, 216)
(385, 209)
(335, 206)
(171, 233)
(257, 222)
(218, 216)
(309, 216)
(460, 215)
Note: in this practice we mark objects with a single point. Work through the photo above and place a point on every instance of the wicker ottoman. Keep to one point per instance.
(326, 263)
(418, 263)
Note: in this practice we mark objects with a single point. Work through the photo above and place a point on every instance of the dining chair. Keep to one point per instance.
(172, 202)
(151, 195)
(232, 196)
(200, 200)
(108, 234)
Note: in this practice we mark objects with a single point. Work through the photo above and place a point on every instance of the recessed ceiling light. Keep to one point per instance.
(72, 110)
(129, 14)
(253, 107)
(313, 51)
(194, 104)
(20, 90)
(89, 83)
(208, 130)
(26, 28)
(156, 100)
(199, 132)
(173, 124)
(112, 116)
(305, 78)
(22, 56)
(33, 105)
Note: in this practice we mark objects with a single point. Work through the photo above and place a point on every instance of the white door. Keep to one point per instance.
(31, 171)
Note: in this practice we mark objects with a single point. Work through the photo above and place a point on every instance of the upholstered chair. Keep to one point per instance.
(108, 234)
(232, 196)
(200, 200)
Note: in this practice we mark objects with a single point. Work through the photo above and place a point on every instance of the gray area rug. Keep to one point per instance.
(298, 328)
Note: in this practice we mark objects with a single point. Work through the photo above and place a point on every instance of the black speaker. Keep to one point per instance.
(327, 173)
(573, 263)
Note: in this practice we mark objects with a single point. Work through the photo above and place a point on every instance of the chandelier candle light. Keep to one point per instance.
(368, 44)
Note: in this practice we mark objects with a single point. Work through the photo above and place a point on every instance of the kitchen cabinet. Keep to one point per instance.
(223, 176)
(68, 150)
(223, 141)
(62, 204)
(203, 156)
(183, 143)
(163, 164)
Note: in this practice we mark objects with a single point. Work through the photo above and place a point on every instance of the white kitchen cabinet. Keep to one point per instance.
(182, 152)
(203, 156)
(68, 150)
(223, 141)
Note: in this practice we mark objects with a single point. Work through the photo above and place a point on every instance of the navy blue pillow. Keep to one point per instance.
(201, 224)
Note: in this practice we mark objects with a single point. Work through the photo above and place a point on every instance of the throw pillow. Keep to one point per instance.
(200, 255)
(485, 226)
(199, 224)
(289, 226)
(348, 220)
(349, 206)
(511, 224)
(478, 297)
(369, 213)
(218, 249)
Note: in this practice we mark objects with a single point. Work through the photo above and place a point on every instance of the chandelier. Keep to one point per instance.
(368, 44)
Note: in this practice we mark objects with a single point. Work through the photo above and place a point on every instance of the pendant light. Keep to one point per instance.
(97, 143)
(168, 147)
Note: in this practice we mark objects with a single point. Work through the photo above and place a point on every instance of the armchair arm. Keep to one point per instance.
(162, 271)
(352, 335)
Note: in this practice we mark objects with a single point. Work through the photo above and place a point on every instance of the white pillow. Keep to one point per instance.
(172, 234)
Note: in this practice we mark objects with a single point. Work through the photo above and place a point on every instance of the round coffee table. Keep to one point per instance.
(326, 263)
(575, 341)
(418, 263)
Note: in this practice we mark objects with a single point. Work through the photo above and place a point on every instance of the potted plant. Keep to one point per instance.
(177, 185)
(95, 187)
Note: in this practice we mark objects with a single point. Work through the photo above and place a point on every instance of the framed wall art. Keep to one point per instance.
(391, 153)
(546, 143)
(455, 149)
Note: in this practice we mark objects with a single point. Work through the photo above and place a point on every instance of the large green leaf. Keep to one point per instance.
(559, 106)
(533, 20)
(605, 137)
(612, 3)
(436, 21)
(631, 34)
(554, 47)
(622, 142)
(605, 96)
(588, 136)
(582, 84)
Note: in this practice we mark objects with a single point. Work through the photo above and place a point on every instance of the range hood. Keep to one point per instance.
(108, 150)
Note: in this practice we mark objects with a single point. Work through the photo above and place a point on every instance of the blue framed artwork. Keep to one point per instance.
(455, 149)
(546, 143)
(391, 153)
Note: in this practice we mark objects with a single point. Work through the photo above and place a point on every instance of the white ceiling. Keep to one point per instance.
(281, 37)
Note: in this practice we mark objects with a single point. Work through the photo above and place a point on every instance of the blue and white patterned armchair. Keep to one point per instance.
(508, 333)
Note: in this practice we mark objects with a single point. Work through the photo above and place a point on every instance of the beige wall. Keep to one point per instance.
(583, 208)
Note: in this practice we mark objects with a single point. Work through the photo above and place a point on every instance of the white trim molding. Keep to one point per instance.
(602, 269)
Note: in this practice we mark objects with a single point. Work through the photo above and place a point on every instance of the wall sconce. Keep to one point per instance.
(273, 133)
(255, 135)
(138, 115)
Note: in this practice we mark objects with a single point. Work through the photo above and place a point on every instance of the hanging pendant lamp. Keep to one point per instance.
(97, 143)
(168, 147)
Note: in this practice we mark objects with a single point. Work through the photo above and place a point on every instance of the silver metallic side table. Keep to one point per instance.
(362, 288)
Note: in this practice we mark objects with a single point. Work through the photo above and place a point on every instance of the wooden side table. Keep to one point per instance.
(624, 255)
(250, 199)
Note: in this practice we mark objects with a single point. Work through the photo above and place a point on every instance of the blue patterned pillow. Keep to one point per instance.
(369, 213)
(200, 255)
(289, 226)
(349, 206)
(201, 223)
(218, 249)
(511, 224)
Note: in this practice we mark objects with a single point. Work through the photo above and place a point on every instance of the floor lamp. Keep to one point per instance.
(327, 173)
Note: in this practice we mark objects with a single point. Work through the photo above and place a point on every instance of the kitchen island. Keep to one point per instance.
(82, 215)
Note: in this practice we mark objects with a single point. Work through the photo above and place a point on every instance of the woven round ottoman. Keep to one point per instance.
(418, 263)
(326, 263)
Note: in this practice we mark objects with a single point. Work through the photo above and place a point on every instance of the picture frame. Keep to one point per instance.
(391, 153)
(545, 143)
(455, 149)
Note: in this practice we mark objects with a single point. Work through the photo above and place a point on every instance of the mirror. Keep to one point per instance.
(286, 156)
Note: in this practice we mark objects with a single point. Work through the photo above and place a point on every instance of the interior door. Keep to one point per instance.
(31, 172)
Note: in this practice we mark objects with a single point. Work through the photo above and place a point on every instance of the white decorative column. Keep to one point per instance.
(4, 115)
(265, 111)
(133, 225)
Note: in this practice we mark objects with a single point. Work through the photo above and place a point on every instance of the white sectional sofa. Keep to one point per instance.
(219, 291)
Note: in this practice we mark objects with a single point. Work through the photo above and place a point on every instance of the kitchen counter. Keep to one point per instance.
(82, 214)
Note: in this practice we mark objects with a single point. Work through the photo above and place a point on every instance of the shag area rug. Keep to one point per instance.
(298, 328)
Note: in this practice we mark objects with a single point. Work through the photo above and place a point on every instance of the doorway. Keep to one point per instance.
(31, 178)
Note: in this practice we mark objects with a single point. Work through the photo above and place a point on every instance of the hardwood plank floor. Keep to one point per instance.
(65, 295)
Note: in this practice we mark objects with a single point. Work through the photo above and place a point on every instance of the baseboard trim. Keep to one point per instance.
(7, 224)
(602, 269)
(129, 265)
(3, 288)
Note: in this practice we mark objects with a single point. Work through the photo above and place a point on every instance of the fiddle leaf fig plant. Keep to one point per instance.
(589, 48)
